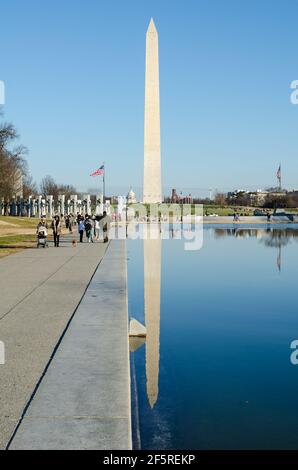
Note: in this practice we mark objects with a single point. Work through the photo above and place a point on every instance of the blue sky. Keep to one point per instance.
(74, 76)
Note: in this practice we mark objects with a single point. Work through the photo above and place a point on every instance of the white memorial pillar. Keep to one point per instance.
(30, 206)
(50, 206)
(62, 204)
(99, 204)
(74, 199)
(33, 208)
(39, 207)
(107, 207)
(88, 204)
(79, 206)
(43, 208)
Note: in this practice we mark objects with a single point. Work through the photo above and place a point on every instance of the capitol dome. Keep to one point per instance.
(131, 197)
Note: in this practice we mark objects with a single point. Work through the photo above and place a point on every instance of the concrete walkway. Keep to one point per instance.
(83, 400)
(40, 290)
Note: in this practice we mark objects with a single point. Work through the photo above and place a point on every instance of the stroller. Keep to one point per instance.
(42, 235)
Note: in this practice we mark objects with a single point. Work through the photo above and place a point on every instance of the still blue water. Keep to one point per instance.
(218, 374)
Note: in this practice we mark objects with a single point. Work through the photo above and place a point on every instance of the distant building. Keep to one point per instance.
(179, 198)
(18, 184)
(131, 197)
(253, 198)
(174, 197)
(189, 199)
(258, 197)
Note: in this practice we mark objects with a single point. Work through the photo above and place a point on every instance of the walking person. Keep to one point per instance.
(81, 228)
(89, 229)
(93, 226)
(105, 227)
(268, 216)
(56, 227)
(97, 227)
(70, 222)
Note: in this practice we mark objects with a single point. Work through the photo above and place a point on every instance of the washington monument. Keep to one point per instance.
(152, 171)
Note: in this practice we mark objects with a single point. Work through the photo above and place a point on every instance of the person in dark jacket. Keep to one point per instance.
(105, 222)
(81, 228)
(56, 227)
(89, 229)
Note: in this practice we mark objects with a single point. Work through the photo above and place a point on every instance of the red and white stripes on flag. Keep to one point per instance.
(99, 172)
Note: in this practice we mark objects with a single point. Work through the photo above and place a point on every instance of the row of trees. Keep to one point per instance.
(272, 201)
(14, 170)
(48, 186)
(12, 161)
(289, 200)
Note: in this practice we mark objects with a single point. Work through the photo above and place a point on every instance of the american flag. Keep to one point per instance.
(278, 173)
(99, 172)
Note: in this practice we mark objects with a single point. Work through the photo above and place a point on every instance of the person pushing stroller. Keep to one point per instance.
(56, 227)
(42, 234)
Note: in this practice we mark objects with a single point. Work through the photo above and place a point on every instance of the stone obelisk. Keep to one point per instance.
(152, 169)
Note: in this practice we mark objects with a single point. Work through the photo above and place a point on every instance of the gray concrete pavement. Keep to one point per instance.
(40, 289)
(83, 400)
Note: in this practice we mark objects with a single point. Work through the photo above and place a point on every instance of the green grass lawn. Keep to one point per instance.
(21, 240)
(292, 211)
(20, 222)
(15, 242)
(10, 244)
(224, 211)
(227, 210)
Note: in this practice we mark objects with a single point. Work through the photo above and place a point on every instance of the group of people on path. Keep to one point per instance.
(91, 226)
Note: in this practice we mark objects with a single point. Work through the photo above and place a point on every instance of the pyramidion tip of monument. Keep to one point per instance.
(152, 27)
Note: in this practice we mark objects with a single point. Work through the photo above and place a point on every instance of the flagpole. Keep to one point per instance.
(278, 175)
(104, 183)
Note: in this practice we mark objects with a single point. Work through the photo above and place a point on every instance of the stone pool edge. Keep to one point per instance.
(83, 403)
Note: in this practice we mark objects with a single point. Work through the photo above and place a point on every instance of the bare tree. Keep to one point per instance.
(48, 187)
(30, 188)
(13, 165)
(67, 189)
(220, 199)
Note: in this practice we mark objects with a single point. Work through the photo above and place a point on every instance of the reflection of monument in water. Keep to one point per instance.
(152, 271)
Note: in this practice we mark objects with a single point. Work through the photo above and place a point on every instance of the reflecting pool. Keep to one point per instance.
(217, 370)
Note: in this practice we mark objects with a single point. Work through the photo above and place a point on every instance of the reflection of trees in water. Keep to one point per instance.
(276, 239)
(236, 232)
(271, 237)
